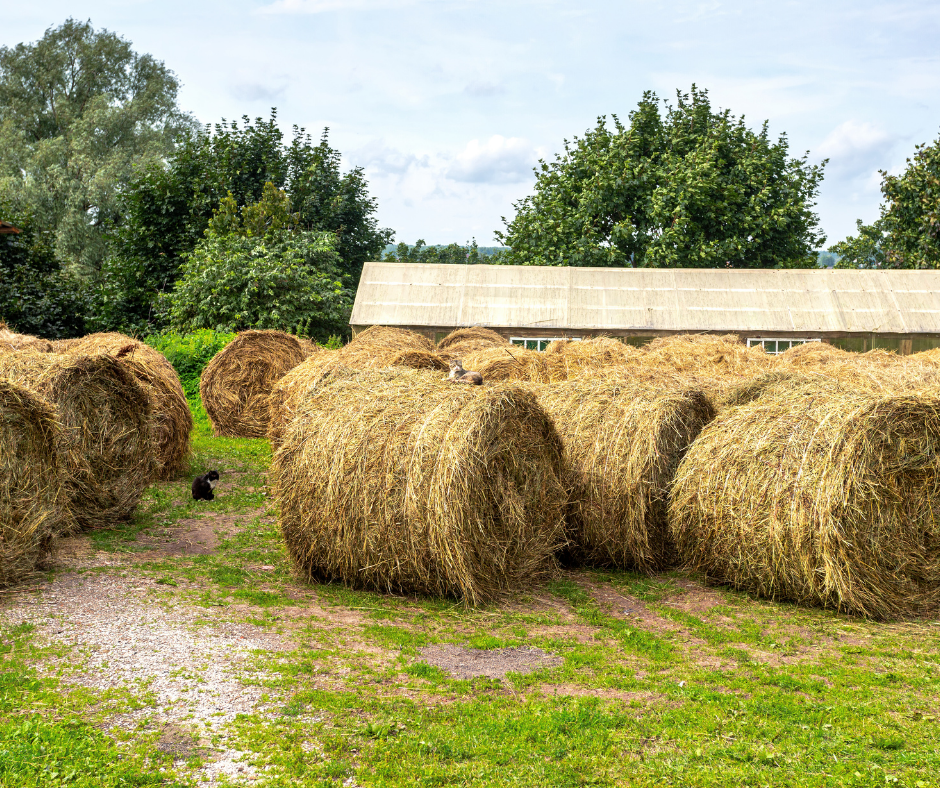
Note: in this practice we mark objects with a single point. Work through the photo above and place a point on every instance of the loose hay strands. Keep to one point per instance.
(10, 340)
(875, 371)
(464, 341)
(407, 484)
(172, 419)
(381, 346)
(106, 444)
(236, 383)
(623, 442)
(705, 354)
(32, 506)
(291, 390)
(509, 363)
(568, 359)
(817, 493)
(392, 339)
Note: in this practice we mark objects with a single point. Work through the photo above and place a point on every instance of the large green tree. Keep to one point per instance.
(79, 110)
(688, 188)
(907, 234)
(168, 206)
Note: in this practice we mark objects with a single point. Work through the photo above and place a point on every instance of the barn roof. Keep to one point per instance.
(649, 299)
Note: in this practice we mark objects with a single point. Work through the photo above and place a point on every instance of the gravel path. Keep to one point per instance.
(193, 671)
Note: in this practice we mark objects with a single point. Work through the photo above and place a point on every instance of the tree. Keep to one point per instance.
(451, 254)
(907, 234)
(35, 296)
(691, 189)
(79, 109)
(168, 205)
(256, 269)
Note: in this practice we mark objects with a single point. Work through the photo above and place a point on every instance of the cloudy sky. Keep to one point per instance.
(448, 104)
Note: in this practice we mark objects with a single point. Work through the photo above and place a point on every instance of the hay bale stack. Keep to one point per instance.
(705, 355)
(32, 505)
(623, 442)
(818, 494)
(509, 363)
(172, 420)
(11, 341)
(875, 371)
(568, 359)
(392, 339)
(236, 383)
(464, 341)
(407, 484)
(106, 444)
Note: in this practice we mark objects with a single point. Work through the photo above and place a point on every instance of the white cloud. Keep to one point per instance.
(856, 150)
(255, 91)
(378, 158)
(324, 6)
(499, 160)
(479, 89)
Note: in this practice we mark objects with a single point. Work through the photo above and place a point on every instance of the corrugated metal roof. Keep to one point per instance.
(649, 299)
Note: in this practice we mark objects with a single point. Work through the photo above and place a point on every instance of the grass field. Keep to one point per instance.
(643, 681)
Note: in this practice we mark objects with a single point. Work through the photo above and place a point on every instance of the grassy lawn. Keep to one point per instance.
(657, 681)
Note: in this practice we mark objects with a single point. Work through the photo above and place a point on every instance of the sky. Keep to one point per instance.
(449, 105)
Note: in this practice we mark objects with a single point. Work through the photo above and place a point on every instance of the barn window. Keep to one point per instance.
(537, 343)
(776, 345)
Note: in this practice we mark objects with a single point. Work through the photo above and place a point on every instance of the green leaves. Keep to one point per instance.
(907, 234)
(690, 189)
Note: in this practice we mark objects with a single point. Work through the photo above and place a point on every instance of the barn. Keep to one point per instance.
(777, 308)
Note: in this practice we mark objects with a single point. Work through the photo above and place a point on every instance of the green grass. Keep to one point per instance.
(734, 692)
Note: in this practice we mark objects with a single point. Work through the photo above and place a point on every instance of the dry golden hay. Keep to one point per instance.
(106, 443)
(407, 484)
(509, 363)
(464, 341)
(877, 370)
(706, 354)
(289, 392)
(392, 339)
(236, 383)
(568, 359)
(10, 340)
(820, 494)
(474, 334)
(32, 504)
(172, 419)
(623, 442)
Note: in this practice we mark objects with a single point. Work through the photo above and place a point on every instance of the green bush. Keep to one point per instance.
(189, 353)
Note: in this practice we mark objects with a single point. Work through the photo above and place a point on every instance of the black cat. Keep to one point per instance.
(202, 486)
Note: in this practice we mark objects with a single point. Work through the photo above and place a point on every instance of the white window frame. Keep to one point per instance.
(793, 342)
(540, 342)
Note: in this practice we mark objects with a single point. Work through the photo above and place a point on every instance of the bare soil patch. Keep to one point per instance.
(468, 663)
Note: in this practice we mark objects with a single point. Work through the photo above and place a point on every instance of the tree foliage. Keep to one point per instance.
(691, 188)
(169, 205)
(453, 254)
(907, 233)
(79, 109)
(36, 297)
(256, 269)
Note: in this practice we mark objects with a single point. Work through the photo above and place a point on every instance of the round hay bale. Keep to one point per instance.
(819, 494)
(106, 443)
(407, 484)
(876, 371)
(568, 359)
(623, 442)
(472, 334)
(290, 391)
(509, 363)
(705, 354)
(172, 419)
(464, 341)
(236, 383)
(392, 339)
(33, 510)
(11, 341)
